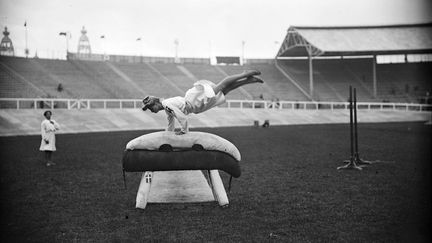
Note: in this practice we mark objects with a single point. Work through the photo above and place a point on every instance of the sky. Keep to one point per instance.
(203, 28)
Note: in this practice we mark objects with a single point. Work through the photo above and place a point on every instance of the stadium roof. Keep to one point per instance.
(356, 40)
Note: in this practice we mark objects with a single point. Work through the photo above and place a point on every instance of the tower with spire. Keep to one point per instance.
(84, 43)
(6, 46)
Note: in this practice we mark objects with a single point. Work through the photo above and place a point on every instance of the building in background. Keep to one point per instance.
(6, 46)
(84, 43)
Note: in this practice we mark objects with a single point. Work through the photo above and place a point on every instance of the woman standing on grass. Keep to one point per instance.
(48, 129)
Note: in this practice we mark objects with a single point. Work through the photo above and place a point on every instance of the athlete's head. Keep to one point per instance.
(47, 114)
(152, 103)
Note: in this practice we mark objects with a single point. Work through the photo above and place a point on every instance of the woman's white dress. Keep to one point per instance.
(48, 130)
(202, 97)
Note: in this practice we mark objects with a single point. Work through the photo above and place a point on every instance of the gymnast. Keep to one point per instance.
(203, 96)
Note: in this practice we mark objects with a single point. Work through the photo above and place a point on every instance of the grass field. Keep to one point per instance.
(289, 191)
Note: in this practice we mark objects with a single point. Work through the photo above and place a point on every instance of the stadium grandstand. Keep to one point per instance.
(387, 64)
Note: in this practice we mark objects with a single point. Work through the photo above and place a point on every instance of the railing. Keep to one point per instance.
(323, 105)
(46, 103)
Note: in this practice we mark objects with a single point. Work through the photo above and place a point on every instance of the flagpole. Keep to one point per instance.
(210, 50)
(67, 43)
(26, 47)
(176, 44)
(104, 47)
(141, 47)
(243, 45)
(66, 35)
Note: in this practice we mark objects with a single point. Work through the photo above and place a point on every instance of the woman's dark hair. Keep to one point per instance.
(46, 112)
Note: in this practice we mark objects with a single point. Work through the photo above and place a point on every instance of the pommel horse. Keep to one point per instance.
(172, 167)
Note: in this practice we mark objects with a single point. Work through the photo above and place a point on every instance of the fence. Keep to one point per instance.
(45, 103)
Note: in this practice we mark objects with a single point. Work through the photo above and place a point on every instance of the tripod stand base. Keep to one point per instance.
(359, 162)
(351, 165)
(367, 162)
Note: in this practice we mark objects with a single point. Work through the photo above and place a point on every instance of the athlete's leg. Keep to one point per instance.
(248, 80)
(228, 81)
(50, 154)
(48, 158)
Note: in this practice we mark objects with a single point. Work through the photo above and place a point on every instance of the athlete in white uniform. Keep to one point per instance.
(203, 96)
(48, 143)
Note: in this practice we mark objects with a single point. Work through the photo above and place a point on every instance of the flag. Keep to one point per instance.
(25, 23)
(62, 33)
(102, 37)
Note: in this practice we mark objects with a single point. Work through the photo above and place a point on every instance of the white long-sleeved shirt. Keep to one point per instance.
(48, 129)
(176, 107)
(198, 99)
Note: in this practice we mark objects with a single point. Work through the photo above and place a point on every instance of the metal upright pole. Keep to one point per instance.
(357, 154)
(355, 124)
(355, 162)
(374, 76)
(311, 82)
(352, 161)
(351, 123)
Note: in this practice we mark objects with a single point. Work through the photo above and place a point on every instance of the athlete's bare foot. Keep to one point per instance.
(253, 79)
(252, 72)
